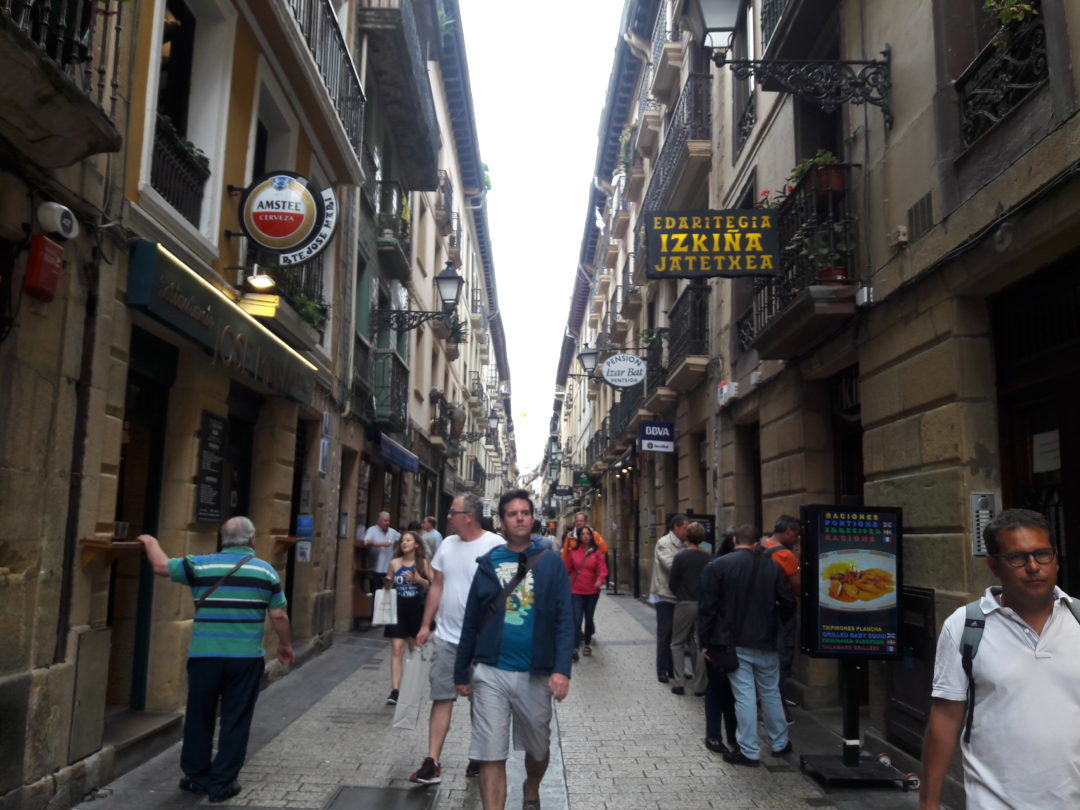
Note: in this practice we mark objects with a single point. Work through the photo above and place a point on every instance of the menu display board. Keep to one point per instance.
(852, 578)
(211, 463)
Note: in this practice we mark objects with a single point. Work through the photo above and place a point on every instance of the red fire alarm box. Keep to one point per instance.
(44, 263)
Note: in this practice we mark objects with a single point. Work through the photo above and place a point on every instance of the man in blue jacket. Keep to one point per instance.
(518, 650)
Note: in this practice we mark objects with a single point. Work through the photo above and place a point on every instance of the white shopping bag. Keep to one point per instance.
(385, 611)
(417, 664)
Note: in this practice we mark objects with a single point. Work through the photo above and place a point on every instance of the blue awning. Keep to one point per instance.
(397, 455)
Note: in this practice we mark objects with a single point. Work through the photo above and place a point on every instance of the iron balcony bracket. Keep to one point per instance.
(404, 320)
(830, 83)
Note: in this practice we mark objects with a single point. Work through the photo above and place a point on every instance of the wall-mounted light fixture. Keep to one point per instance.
(829, 82)
(449, 285)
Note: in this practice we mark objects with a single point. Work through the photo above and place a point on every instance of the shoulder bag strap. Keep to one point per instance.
(974, 623)
(499, 601)
(199, 602)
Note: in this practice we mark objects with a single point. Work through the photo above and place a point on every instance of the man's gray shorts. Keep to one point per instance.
(441, 674)
(498, 695)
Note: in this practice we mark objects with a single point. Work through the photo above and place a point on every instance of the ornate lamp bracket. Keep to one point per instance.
(830, 83)
(403, 320)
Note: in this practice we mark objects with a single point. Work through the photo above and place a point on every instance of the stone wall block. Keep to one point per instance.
(942, 435)
(892, 446)
(52, 694)
(932, 500)
(936, 560)
(931, 376)
(14, 702)
(167, 683)
(879, 396)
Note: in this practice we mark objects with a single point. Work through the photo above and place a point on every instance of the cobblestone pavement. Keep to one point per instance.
(623, 741)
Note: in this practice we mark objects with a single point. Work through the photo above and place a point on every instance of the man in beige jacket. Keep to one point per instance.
(660, 594)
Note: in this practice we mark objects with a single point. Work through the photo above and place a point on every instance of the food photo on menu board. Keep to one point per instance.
(851, 581)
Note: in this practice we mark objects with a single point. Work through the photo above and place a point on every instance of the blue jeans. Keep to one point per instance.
(758, 675)
(584, 608)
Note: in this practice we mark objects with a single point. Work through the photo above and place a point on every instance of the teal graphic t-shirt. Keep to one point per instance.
(516, 650)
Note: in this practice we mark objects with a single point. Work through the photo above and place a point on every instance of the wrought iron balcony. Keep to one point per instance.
(623, 413)
(687, 147)
(444, 202)
(688, 323)
(398, 58)
(477, 475)
(666, 52)
(1007, 71)
(300, 282)
(361, 369)
(771, 12)
(394, 230)
(453, 242)
(58, 51)
(178, 172)
(320, 28)
(818, 239)
(391, 391)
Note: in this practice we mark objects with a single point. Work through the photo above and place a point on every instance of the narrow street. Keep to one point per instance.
(323, 738)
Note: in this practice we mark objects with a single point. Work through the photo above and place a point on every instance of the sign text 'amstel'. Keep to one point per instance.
(699, 244)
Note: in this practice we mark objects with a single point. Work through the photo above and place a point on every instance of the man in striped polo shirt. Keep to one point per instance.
(233, 591)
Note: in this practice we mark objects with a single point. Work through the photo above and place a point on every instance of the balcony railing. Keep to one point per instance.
(444, 202)
(476, 300)
(177, 172)
(320, 28)
(477, 475)
(818, 241)
(665, 30)
(361, 369)
(623, 411)
(393, 228)
(453, 242)
(691, 120)
(391, 390)
(655, 370)
(771, 12)
(476, 388)
(73, 34)
(689, 324)
(1004, 73)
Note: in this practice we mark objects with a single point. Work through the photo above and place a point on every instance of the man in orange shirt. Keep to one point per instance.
(782, 549)
(570, 536)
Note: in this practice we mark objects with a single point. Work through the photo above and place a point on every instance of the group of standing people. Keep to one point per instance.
(733, 615)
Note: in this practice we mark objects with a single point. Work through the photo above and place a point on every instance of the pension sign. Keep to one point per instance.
(700, 244)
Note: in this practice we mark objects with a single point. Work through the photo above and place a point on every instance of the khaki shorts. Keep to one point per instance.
(441, 674)
(498, 695)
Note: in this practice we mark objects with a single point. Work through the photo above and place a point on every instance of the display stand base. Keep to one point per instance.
(831, 770)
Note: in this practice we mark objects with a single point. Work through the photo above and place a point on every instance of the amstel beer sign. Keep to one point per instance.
(287, 214)
(700, 244)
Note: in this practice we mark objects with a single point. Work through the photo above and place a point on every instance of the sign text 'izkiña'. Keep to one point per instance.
(699, 244)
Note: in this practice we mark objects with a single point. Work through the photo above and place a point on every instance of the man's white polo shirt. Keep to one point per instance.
(1025, 739)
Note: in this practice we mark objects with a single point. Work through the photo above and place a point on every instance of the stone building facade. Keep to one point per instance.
(917, 348)
(152, 387)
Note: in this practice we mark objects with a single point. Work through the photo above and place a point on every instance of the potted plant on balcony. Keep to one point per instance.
(827, 249)
(456, 331)
(826, 166)
(313, 311)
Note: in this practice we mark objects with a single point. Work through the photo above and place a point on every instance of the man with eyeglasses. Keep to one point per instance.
(514, 654)
(453, 567)
(1023, 750)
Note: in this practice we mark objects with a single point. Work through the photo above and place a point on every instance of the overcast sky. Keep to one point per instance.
(539, 72)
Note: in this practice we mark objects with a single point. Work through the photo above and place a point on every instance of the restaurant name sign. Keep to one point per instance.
(700, 244)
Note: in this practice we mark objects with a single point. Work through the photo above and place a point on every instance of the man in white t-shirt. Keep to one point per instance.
(1024, 747)
(381, 538)
(453, 566)
(431, 536)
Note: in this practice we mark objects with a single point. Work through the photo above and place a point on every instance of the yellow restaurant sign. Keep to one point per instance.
(698, 244)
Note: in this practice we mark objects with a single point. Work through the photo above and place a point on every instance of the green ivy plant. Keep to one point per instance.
(197, 154)
(653, 337)
(458, 332)
(1006, 12)
(313, 311)
(823, 157)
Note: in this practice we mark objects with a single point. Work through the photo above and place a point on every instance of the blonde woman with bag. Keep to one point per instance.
(410, 576)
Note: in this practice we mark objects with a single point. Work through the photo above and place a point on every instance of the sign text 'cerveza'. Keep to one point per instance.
(699, 244)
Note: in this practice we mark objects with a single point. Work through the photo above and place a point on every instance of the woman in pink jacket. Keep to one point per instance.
(588, 572)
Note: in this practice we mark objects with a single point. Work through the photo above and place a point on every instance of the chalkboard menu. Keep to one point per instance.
(211, 462)
(851, 581)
